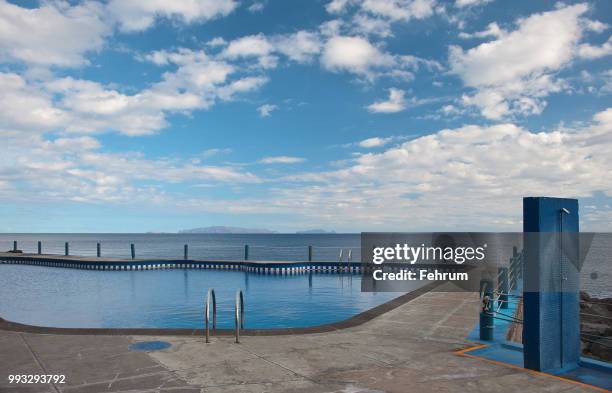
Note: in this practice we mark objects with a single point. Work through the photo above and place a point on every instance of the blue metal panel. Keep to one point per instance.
(551, 282)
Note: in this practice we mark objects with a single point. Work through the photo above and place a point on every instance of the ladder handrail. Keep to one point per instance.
(239, 314)
(348, 259)
(209, 295)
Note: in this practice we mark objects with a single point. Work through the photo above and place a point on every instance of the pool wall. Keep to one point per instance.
(262, 267)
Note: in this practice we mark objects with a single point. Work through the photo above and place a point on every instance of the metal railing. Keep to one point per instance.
(349, 259)
(134, 248)
(496, 297)
(210, 296)
(239, 314)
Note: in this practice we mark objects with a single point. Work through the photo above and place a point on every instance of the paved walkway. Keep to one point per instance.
(409, 349)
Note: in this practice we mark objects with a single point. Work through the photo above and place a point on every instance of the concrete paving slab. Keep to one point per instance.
(408, 349)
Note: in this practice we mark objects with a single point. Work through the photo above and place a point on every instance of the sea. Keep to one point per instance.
(596, 272)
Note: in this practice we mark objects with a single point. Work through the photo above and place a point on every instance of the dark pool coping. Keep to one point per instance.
(354, 321)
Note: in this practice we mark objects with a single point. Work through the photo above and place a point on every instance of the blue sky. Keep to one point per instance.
(351, 115)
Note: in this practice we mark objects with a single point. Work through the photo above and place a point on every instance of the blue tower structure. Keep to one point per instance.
(551, 331)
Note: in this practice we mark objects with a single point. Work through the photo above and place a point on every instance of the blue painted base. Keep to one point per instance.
(589, 371)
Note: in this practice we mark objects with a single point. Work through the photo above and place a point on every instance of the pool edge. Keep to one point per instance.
(353, 321)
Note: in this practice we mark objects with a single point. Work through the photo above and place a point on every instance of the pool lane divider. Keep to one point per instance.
(261, 267)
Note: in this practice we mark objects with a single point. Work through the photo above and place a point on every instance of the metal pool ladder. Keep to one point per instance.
(239, 314)
(209, 296)
(349, 258)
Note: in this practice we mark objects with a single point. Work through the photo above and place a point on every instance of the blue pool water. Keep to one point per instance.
(174, 298)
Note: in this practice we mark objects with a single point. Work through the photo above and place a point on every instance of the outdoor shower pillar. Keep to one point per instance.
(551, 331)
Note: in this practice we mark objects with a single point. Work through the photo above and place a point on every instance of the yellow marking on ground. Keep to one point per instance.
(464, 352)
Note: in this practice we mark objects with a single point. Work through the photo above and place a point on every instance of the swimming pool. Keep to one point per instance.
(58, 297)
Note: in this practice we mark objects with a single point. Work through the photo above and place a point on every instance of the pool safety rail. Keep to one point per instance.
(131, 250)
(210, 296)
(117, 264)
(239, 314)
(349, 258)
(496, 298)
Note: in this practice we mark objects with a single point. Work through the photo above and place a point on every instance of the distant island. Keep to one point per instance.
(222, 230)
(315, 232)
(240, 230)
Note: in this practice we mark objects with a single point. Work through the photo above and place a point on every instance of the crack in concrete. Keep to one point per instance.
(38, 361)
(246, 349)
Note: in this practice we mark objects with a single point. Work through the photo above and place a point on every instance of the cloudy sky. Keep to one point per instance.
(351, 115)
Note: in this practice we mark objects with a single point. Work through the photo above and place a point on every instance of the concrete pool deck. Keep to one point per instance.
(412, 348)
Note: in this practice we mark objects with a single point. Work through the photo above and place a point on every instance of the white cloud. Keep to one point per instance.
(399, 9)
(75, 169)
(301, 46)
(216, 42)
(215, 151)
(450, 110)
(337, 53)
(136, 15)
(389, 9)
(257, 46)
(25, 107)
(90, 107)
(195, 69)
(485, 170)
(281, 160)
(336, 6)
(605, 119)
(257, 6)
(470, 3)
(395, 103)
(374, 142)
(513, 73)
(266, 110)
(492, 30)
(588, 51)
(252, 45)
(195, 84)
(80, 106)
(242, 85)
(60, 34)
(519, 53)
(366, 24)
(376, 17)
(353, 54)
(56, 33)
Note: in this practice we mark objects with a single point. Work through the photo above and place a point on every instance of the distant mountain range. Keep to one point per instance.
(239, 230)
(314, 232)
(221, 229)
